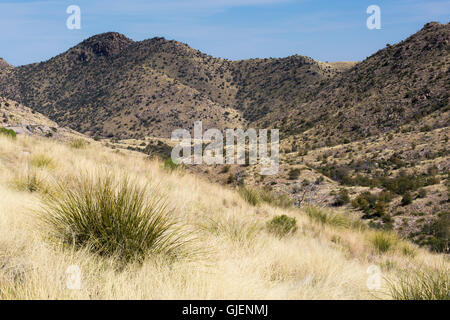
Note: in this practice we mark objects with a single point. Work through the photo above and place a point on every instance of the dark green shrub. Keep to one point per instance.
(282, 225)
(8, 132)
(342, 198)
(294, 174)
(422, 193)
(407, 199)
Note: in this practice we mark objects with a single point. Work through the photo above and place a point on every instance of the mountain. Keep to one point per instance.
(112, 86)
(109, 85)
(398, 85)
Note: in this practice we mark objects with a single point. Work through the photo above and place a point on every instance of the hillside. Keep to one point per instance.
(23, 120)
(233, 252)
(112, 86)
(398, 85)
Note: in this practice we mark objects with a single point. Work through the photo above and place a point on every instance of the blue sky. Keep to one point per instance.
(33, 30)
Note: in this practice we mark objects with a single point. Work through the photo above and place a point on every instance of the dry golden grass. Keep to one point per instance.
(239, 258)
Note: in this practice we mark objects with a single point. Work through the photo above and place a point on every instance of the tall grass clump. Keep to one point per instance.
(280, 201)
(282, 225)
(333, 218)
(41, 161)
(251, 196)
(78, 143)
(383, 241)
(421, 285)
(255, 196)
(236, 230)
(113, 218)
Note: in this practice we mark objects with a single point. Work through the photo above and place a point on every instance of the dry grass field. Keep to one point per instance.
(66, 204)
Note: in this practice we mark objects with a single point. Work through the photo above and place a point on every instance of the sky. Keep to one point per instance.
(35, 30)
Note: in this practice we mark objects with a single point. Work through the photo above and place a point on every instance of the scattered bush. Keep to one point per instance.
(294, 174)
(282, 225)
(407, 199)
(342, 198)
(8, 132)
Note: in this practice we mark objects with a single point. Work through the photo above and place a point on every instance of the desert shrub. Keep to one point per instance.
(383, 241)
(114, 218)
(78, 143)
(422, 193)
(8, 132)
(294, 174)
(282, 225)
(438, 233)
(342, 198)
(406, 199)
(225, 169)
(423, 284)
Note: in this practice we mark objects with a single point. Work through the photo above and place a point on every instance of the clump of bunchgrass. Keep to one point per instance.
(41, 161)
(383, 241)
(114, 217)
(256, 196)
(250, 195)
(282, 226)
(421, 284)
(236, 230)
(30, 182)
(78, 143)
(332, 218)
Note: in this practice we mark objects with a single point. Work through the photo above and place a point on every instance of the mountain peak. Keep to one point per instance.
(105, 44)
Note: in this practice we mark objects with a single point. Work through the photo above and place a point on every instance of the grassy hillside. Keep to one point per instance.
(215, 242)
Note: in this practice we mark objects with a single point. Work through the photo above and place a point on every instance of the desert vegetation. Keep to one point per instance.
(137, 230)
